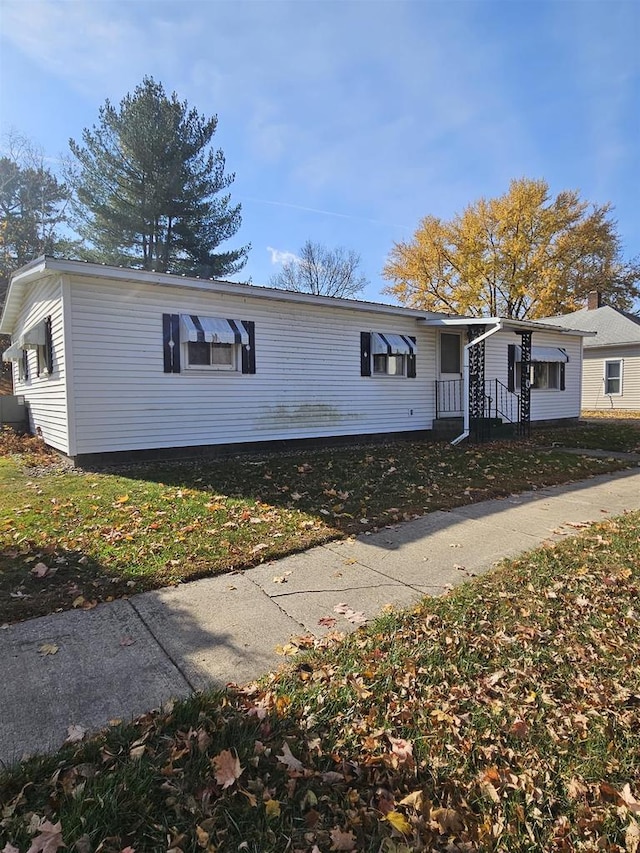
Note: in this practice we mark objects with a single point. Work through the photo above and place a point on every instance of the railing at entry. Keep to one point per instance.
(448, 397)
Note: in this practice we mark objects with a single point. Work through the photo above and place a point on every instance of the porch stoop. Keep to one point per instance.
(448, 427)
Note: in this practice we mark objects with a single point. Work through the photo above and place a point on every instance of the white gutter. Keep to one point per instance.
(465, 379)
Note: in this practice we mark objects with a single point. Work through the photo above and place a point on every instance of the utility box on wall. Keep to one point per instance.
(13, 412)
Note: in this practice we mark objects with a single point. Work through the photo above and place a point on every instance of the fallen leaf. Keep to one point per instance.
(576, 789)
(331, 777)
(49, 839)
(9, 848)
(202, 837)
(342, 840)
(448, 820)
(289, 759)
(227, 768)
(402, 749)
(48, 649)
(75, 734)
(260, 547)
(398, 821)
(272, 808)
(279, 579)
(327, 621)
(629, 800)
(41, 570)
(123, 499)
(632, 837)
(127, 641)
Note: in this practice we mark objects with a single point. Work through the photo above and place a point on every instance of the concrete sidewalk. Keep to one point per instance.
(124, 658)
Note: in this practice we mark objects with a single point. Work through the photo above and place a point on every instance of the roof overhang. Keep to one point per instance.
(506, 323)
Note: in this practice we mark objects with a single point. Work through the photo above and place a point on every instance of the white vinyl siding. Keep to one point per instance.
(546, 404)
(45, 394)
(307, 381)
(594, 394)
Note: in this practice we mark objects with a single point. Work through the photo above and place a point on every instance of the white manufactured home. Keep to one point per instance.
(120, 363)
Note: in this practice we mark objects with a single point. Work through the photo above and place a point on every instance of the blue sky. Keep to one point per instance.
(347, 122)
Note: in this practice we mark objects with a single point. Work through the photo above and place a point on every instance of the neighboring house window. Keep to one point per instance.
(208, 343)
(613, 377)
(387, 354)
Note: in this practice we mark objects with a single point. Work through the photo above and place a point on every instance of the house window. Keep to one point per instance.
(23, 367)
(215, 356)
(213, 343)
(543, 375)
(613, 377)
(38, 338)
(387, 354)
(391, 365)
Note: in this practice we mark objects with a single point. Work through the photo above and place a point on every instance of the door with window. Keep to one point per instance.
(450, 378)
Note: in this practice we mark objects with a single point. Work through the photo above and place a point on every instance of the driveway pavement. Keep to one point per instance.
(124, 658)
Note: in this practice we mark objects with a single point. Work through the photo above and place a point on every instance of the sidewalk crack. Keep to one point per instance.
(165, 651)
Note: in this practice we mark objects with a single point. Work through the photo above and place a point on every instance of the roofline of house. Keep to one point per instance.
(515, 325)
(47, 265)
(612, 345)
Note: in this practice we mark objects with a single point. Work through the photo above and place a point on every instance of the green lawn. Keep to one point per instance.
(71, 538)
(503, 717)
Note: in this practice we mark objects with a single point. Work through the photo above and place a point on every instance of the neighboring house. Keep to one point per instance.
(116, 363)
(611, 359)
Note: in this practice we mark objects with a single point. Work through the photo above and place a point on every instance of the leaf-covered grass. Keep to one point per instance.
(502, 717)
(71, 538)
(617, 434)
(611, 414)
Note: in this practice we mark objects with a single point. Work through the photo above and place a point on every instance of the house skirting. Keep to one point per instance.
(217, 451)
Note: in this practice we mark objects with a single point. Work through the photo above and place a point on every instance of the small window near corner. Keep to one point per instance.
(543, 375)
(613, 377)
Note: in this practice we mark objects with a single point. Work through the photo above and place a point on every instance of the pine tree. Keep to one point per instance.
(147, 187)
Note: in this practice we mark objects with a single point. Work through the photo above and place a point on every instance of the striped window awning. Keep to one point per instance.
(13, 353)
(212, 330)
(544, 354)
(386, 344)
(34, 337)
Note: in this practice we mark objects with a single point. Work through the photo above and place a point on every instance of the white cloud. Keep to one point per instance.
(279, 257)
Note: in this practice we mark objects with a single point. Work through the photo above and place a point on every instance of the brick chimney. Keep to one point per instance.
(594, 300)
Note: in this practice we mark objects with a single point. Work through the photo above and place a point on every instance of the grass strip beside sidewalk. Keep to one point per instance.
(502, 717)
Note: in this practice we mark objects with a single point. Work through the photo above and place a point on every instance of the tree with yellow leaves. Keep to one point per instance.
(523, 255)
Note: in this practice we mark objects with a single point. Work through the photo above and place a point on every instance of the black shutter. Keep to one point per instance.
(171, 342)
(562, 378)
(365, 353)
(25, 364)
(249, 350)
(48, 346)
(511, 367)
(411, 360)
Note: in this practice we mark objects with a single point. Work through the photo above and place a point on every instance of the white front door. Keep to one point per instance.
(450, 385)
